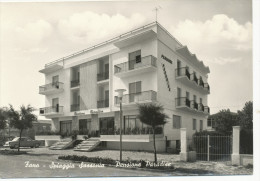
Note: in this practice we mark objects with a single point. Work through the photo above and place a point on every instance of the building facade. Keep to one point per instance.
(151, 65)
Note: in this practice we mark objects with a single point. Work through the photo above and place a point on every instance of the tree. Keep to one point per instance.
(3, 118)
(22, 120)
(152, 115)
(245, 116)
(225, 120)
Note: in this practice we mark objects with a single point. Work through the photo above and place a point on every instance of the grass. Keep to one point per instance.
(12, 152)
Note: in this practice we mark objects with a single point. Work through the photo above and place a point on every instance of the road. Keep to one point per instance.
(25, 166)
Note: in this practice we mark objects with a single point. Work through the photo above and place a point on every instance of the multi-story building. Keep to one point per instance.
(151, 65)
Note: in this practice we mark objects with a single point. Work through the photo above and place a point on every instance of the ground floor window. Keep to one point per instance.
(107, 125)
(84, 126)
(65, 127)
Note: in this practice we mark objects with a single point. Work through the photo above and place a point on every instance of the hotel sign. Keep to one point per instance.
(167, 59)
(95, 111)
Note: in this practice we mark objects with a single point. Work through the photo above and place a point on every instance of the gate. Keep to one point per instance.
(212, 148)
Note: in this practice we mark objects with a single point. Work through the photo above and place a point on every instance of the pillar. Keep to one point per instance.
(235, 146)
(183, 153)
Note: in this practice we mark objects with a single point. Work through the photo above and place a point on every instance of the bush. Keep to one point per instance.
(246, 141)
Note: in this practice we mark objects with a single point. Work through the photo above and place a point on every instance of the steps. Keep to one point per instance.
(88, 145)
(62, 144)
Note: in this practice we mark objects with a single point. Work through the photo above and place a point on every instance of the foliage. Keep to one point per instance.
(3, 117)
(246, 141)
(225, 120)
(21, 119)
(245, 116)
(49, 133)
(152, 115)
(74, 134)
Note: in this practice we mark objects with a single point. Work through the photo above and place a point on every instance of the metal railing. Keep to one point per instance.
(131, 65)
(51, 86)
(206, 109)
(182, 72)
(52, 109)
(201, 107)
(201, 83)
(74, 83)
(207, 87)
(103, 103)
(102, 76)
(194, 78)
(74, 107)
(194, 105)
(182, 101)
(137, 97)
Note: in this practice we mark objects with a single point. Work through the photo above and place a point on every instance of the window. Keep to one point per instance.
(178, 67)
(195, 98)
(201, 124)
(201, 100)
(194, 124)
(176, 122)
(209, 123)
(188, 95)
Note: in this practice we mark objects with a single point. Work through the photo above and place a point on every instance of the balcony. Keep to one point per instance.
(141, 97)
(103, 76)
(191, 80)
(52, 88)
(103, 103)
(51, 111)
(74, 83)
(135, 67)
(183, 103)
(74, 107)
(203, 109)
(194, 105)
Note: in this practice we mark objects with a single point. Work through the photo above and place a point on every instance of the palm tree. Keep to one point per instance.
(22, 120)
(152, 115)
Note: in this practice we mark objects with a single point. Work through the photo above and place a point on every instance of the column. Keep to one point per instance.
(235, 146)
(183, 153)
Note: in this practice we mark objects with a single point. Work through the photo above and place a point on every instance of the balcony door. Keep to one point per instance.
(134, 58)
(179, 96)
(178, 67)
(106, 98)
(55, 81)
(135, 89)
(55, 104)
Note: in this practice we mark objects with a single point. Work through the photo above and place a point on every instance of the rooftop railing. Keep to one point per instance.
(135, 64)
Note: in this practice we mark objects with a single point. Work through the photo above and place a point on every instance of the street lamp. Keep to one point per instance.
(120, 96)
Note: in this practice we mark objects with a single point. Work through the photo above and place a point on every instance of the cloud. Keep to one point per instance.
(88, 27)
(218, 39)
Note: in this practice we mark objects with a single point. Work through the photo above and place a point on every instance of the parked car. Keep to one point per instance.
(25, 142)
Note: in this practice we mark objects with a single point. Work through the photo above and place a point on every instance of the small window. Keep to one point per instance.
(194, 124)
(209, 123)
(138, 59)
(176, 122)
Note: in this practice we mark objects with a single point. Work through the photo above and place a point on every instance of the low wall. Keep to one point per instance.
(48, 139)
(246, 159)
(137, 146)
(131, 138)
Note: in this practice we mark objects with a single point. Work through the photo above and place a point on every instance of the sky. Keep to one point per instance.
(219, 32)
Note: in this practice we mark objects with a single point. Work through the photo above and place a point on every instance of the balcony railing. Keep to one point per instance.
(103, 103)
(207, 109)
(207, 87)
(102, 76)
(74, 107)
(201, 83)
(182, 101)
(137, 97)
(51, 110)
(194, 78)
(74, 83)
(201, 107)
(52, 86)
(194, 105)
(182, 72)
(135, 64)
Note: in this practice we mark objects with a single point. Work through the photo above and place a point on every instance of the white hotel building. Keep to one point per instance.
(151, 65)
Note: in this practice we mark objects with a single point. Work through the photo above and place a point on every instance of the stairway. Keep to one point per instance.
(62, 144)
(88, 145)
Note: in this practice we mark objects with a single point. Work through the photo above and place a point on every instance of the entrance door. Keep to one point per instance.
(65, 127)
(84, 126)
